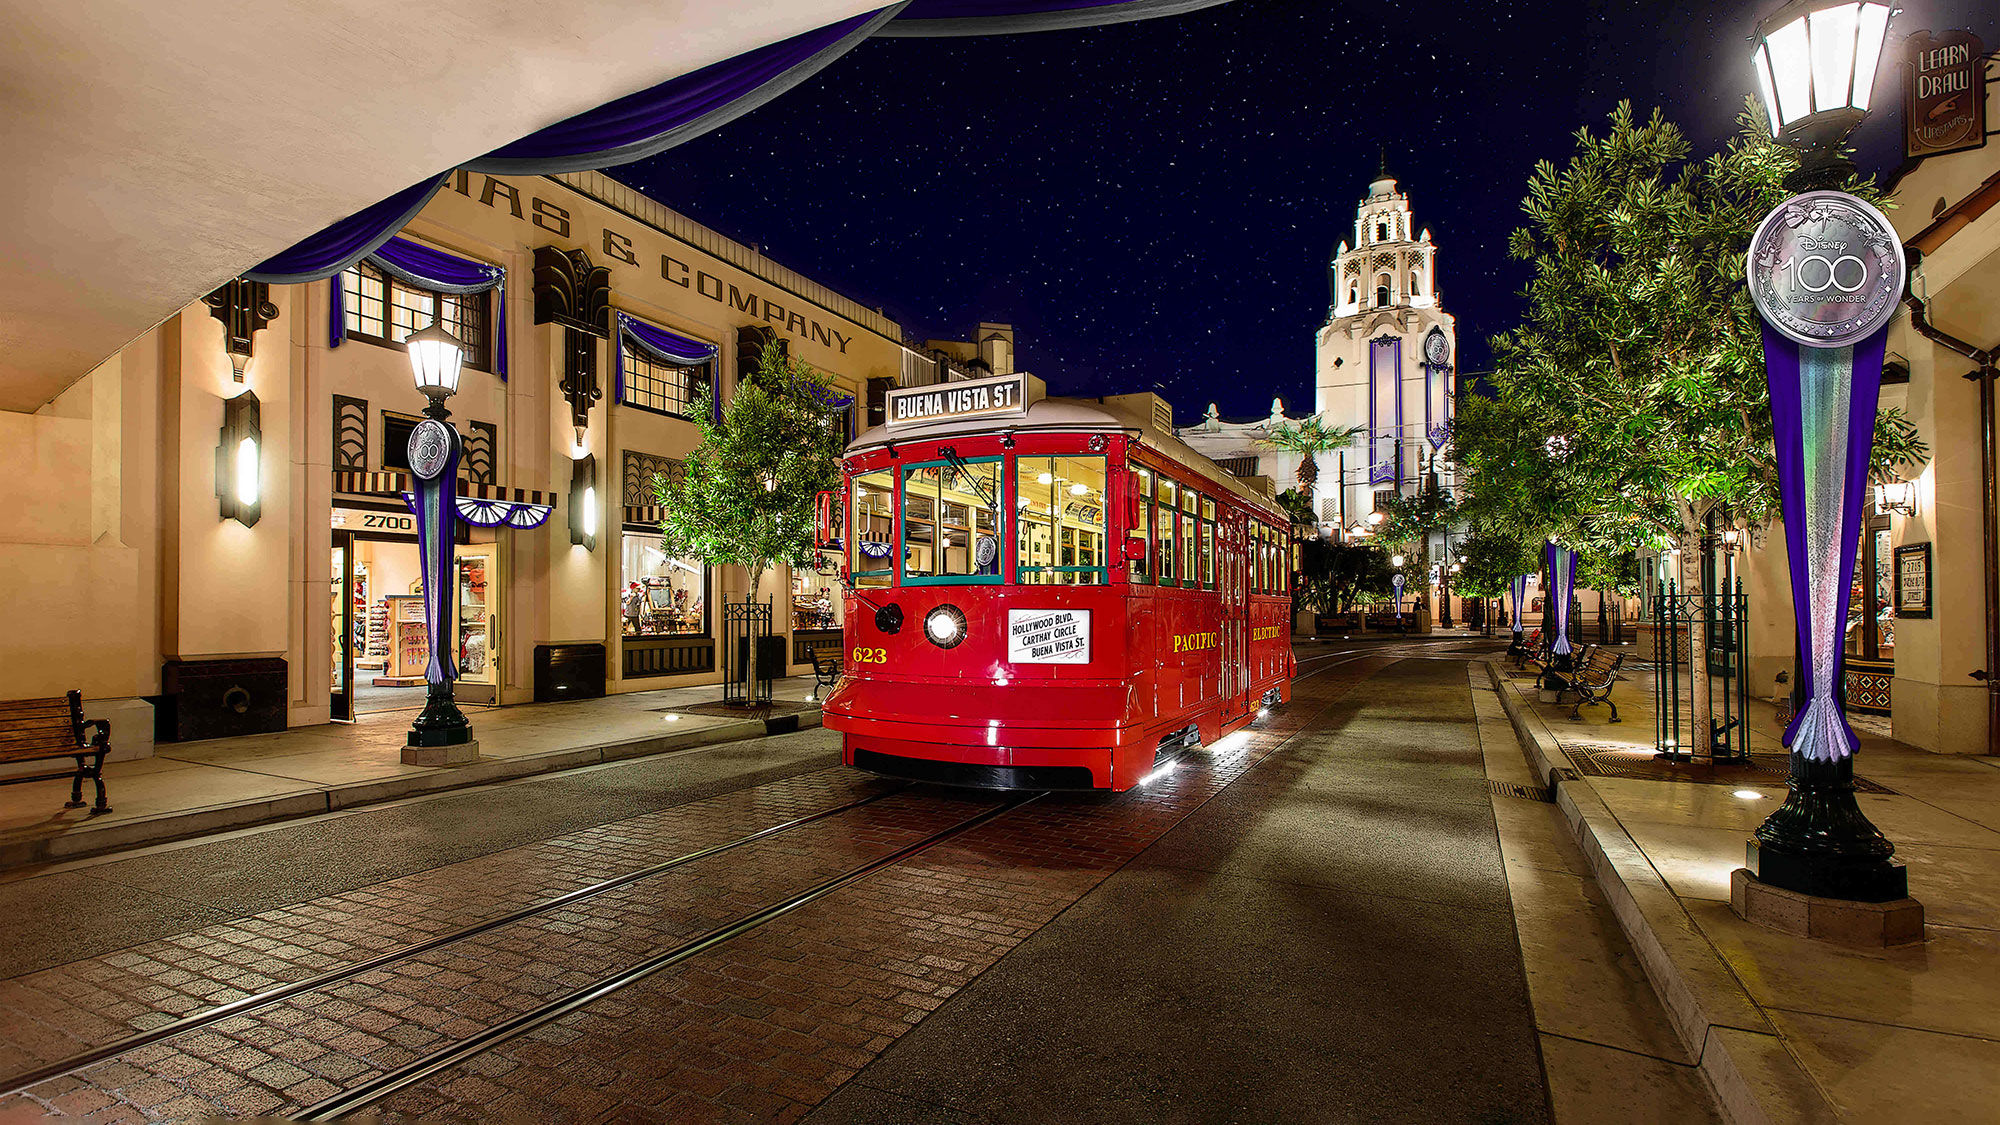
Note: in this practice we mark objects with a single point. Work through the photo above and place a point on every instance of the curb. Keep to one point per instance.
(87, 839)
(1740, 1055)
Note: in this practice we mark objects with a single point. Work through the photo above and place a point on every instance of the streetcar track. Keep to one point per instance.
(21, 1082)
(399, 1078)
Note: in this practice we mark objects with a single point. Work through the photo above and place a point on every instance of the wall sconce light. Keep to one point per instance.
(1895, 495)
(1732, 538)
(239, 461)
(583, 502)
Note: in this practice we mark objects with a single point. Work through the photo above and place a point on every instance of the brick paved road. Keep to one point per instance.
(762, 1028)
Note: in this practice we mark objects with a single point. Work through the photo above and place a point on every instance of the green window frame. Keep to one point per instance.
(1164, 549)
(860, 522)
(939, 512)
(1190, 539)
(1140, 570)
(1207, 543)
(1072, 534)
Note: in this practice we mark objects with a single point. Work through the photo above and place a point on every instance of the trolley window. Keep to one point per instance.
(948, 523)
(1163, 532)
(1207, 543)
(871, 560)
(1142, 528)
(1190, 537)
(1059, 517)
(1256, 556)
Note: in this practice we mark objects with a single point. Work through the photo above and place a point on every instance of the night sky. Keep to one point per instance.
(1152, 205)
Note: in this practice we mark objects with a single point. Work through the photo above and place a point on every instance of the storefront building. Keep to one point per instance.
(595, 319)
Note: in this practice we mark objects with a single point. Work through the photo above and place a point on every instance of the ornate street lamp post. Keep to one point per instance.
(1826, 271)
(441, 735)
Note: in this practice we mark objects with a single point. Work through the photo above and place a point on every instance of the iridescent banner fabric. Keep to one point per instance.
(1823, 404)
(1562, 590)
(437, 526)
(1518, 588)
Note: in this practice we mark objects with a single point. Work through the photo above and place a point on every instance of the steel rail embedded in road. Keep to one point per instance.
(17, 1083)
(392, 1081)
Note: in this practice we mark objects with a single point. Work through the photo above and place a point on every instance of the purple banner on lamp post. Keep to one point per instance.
(434, 450)
(1519, 589)
(1562, 584)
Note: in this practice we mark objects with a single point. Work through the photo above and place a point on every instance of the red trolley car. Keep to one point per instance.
(1049, 593)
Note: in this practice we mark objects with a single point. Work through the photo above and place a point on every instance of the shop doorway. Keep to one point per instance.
(381, 644)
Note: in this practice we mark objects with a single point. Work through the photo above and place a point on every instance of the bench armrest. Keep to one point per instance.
(97, 732)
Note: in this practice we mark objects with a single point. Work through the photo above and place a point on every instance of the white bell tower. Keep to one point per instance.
(1386, 358)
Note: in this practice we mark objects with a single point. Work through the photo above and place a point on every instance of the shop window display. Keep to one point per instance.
(662, 595)
(815, 601)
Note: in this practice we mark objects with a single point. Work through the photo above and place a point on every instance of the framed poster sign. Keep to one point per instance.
(1913, 580)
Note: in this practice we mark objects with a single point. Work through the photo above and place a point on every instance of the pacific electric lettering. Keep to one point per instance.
(497, 193)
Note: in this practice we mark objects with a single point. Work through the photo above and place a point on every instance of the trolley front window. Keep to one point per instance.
(949, 523)
(871, 558)
(1059, 521)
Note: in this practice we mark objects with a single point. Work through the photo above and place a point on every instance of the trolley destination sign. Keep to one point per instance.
(1004, 394)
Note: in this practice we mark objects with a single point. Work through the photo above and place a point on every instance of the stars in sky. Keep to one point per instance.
(1153, 205)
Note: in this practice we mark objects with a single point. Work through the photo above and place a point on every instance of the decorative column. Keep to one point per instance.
(441, 735)
(1561, 589)
(1826, 271)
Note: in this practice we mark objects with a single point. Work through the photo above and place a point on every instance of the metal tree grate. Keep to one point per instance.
(1610, 759)
(1524, 792)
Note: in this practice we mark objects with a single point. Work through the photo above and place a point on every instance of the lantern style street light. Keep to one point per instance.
(441, 735)
(1816, 63)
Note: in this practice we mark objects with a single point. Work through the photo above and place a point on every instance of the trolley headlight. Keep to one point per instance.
(945, 626)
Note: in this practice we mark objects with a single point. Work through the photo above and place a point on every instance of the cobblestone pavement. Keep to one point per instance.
(761, 1028)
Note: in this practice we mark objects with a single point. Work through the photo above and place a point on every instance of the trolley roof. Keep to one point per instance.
(1137, 415)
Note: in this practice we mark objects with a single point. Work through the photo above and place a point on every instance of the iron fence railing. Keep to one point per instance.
(747, 661)
(1722, 616)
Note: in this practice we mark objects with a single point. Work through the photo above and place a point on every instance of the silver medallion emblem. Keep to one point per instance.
(1826, 269)
(430, 445)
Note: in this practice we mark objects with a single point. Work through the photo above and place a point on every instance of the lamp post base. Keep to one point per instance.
(441, 723)
(458, 754)
(1852, 878)
(1868, 925)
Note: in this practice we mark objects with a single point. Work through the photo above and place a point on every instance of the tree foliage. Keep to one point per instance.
(1333, 576)
(1493, 559)
(747, 495)
(1309, 437)
(1632, 397)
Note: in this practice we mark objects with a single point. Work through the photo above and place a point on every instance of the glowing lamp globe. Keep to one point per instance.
(436, 357)
(1815, 63)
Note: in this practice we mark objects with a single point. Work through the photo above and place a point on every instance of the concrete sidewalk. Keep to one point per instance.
(193, 788)
(1785, 1028)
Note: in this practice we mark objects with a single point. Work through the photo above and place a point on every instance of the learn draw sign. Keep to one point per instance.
(1048, 636)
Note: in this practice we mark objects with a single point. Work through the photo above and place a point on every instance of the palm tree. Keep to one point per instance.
(1308, 436)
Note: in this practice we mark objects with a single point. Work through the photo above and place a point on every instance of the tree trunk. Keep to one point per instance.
(1701, 705)
(1308, 472)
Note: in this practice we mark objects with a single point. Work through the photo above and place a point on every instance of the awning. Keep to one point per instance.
(482, 505)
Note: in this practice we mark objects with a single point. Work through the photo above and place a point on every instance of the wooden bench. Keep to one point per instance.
(1552, 672)
(826, 669)
(1326, 624)
(43, 730)
(1592, 680)
(1390, 623)
(1527, 649)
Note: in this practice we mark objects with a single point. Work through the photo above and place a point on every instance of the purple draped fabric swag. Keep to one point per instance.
(678, 110)
(1562, 587)
(1823, 404)
(659, 345)
(416, 264)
